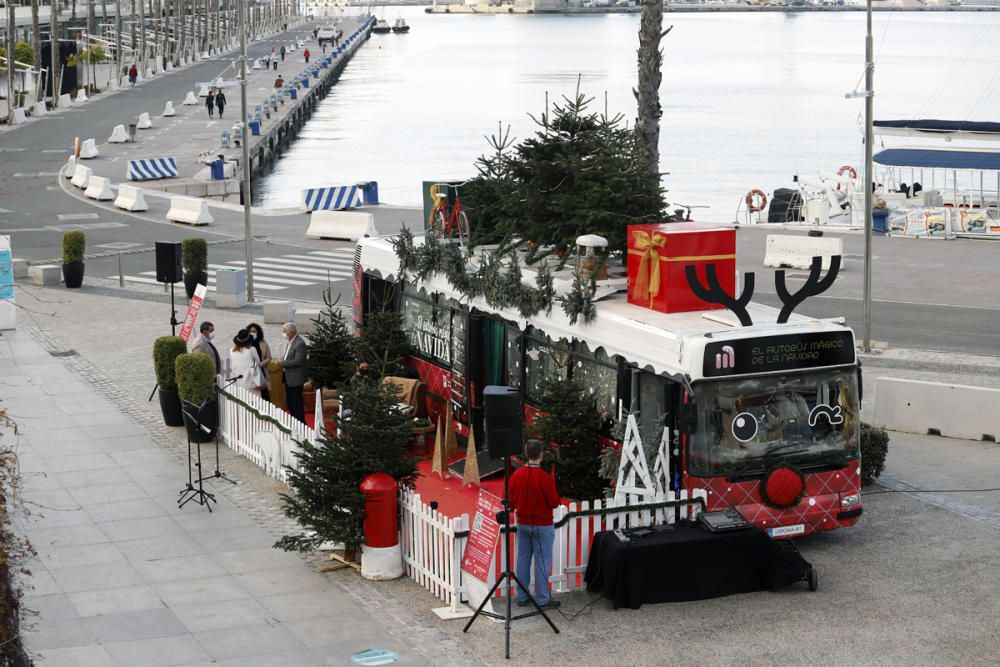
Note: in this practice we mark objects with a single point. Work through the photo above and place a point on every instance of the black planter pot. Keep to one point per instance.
(170, 406)
(207, 416)
(192, 280)
(73, 274)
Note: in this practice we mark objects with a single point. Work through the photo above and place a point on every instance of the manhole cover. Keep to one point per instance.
(64, 353)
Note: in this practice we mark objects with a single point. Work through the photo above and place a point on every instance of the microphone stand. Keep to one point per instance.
(189, 492)
(217, 473)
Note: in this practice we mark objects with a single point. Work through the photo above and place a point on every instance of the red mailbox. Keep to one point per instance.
(381, 510)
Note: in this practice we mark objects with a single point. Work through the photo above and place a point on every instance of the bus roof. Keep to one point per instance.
(665, 343)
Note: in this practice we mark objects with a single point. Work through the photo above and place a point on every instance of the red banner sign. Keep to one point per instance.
(193, 308)
(483, 537)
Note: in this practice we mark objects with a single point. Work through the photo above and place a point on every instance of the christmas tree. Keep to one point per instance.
(570, 421)
(382, 343)
(325, 495)
(331, 347)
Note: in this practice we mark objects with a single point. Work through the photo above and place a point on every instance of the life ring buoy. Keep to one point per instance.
(848, 169)
(76, 147)
(756, 200)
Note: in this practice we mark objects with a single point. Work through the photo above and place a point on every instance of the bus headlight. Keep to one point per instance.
(850, 500)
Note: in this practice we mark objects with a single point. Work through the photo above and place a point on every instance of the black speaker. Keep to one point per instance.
(168, 262)
(503, 421)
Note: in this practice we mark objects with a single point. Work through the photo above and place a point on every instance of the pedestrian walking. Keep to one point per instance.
(210, 104)
(264, 353)
(274, 63)
(533, 496)
(294, 372)
(220, 102)
(306, 54)
(315, 32)
(244, 363)
(133, 74)
(282, 53)
(324, 49)
(279, 82)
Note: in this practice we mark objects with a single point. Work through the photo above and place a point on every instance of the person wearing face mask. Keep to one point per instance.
(245, 363)
(264, 352)
(203, 343)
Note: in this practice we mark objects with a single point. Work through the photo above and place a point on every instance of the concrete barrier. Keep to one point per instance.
(190, 99)
(278, 312)
(81, 96)
(88, 149)
(169, 67)
(151, 169)
(349, 226)
(144, 122)
(19, 117)
(130, 199)
(46, 274)
(99, 188)
(113, 86)
(304, 321)
(797, 251)
(70, 169)
(204, 89)
(189, 210)
(331, 198)
(118, 135)
(81, 176)
(952, 410)
(64, 101)
(168, 110)
(40, 110)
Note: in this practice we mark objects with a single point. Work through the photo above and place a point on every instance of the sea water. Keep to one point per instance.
(748, 99)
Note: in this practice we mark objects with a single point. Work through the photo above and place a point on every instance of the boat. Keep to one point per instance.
(381, 27)
(400, 26)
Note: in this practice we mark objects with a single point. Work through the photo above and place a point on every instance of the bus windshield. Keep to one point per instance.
(748, 425)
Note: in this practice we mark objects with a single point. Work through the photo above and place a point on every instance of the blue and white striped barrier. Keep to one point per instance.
(332, 198)
(152, 169)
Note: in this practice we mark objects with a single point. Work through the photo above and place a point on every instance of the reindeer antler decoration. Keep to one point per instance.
(813, 286)
(715, 294)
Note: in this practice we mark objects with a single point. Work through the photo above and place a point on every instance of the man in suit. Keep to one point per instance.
(203, 343)
(294, 370)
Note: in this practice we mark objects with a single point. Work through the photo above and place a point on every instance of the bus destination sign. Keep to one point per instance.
(778, 353)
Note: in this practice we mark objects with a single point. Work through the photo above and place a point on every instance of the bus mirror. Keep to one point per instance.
(687, 418)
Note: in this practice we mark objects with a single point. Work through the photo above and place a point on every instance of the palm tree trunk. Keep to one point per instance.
(133, 30)
(73, 15)
(647, 124)
(36, 38)
(55, 68)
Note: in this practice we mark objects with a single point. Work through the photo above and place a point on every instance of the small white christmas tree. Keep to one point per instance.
(633, 471)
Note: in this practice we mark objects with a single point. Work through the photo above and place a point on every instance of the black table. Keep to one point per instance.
(689, 563)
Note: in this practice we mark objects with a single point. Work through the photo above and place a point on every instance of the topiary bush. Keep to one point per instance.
(195, 374)
(874, 448)
(194, 255)
(166, 349)
(73, 245)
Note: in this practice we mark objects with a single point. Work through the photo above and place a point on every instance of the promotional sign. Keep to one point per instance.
(8, 312)
(778, 353)
(483, 537)
(192, 314)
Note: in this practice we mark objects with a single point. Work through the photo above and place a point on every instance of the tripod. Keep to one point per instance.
(217, 473)
(189, 492)
(508, 575)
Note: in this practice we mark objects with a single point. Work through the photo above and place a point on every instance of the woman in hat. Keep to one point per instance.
(263, 353)
(245, 364)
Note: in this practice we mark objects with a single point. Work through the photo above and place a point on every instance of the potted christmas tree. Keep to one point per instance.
(166, 349)
(73, 245)
(194, 257)
(195, 373)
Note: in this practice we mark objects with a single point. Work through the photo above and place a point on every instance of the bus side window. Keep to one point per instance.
(514, 356)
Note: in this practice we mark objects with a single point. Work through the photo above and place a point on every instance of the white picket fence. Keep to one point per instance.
(432, 543)
(260, 431)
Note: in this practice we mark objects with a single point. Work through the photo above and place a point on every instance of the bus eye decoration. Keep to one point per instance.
(833, 414)
(744, 427)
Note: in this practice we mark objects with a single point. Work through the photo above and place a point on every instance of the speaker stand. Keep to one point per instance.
(509, 576)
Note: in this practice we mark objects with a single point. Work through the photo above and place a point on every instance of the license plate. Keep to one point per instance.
(786, 531)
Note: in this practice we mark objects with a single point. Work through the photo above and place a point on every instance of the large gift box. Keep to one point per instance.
(658, 255)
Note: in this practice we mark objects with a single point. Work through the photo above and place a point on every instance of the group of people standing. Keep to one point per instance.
(250, 359)
(216, 99)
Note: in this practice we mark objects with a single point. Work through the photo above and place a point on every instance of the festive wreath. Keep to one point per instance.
(783, 486)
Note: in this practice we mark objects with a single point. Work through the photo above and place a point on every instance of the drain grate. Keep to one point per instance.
(64, 353)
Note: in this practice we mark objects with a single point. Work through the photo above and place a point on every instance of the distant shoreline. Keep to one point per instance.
(493, 10)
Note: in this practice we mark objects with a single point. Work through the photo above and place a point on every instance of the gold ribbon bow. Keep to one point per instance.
(647, 280)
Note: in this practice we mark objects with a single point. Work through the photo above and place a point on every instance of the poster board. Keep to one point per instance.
(192, 313)
(8, 311)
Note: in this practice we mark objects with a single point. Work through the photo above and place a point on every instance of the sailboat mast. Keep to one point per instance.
(869, 180)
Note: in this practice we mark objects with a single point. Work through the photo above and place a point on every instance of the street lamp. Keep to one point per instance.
(246, 149)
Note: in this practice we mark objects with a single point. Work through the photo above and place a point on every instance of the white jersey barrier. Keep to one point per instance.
(168, 110)
(349, 226)
(69, 171)
(99, 188)
(190, 99)
(81, 176)
(81, 96)
(190, 210)
(19, 117)
(332, 198)
(797, 251)
(152, 169)
(130, 199)
(64, 101)
(40, 110)
(118, 135)
(88, 149)
(953, 410)
(144, 122)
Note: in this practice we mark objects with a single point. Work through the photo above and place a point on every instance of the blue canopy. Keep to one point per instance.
(939, 159)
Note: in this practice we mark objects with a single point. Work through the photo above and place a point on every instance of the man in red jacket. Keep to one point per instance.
(533, 496)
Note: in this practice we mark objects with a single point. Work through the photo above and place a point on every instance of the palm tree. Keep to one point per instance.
(647, 95)
(36, 38)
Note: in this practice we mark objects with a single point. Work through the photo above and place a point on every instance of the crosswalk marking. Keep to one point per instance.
(281, 281)
(211, 281)
(305, 260)
(308, 272)
(339, 252)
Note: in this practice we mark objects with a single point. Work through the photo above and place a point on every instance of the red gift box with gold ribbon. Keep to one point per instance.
(658, 255)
